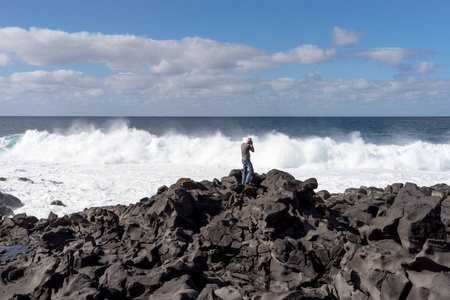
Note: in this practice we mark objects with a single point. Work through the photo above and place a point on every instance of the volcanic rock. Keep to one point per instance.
(57, 203)
(10, 200)
(272, 239)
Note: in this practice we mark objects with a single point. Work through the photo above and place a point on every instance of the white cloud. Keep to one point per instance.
(392, 56)
(340, 93)
(191, 54)
(187, 86)
(130, 83)
(45, 47)
(396, 57)
(54, 84)
(4, 59)
(47, 78)
(63, 85)
(178, 74)
(343, 37)
(283, 84)
(306, 54)
(257, 63)
(313, 75)
(224, 91)
(424, 68)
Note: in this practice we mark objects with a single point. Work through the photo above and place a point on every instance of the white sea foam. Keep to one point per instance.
(120, 165)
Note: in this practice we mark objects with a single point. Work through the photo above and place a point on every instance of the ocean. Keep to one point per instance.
(97, 161)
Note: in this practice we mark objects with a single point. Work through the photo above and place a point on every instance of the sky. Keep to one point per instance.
(224, 58)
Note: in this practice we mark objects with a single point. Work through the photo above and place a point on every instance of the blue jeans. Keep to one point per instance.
(247, 166)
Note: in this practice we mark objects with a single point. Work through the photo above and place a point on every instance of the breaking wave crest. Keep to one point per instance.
(121, 144)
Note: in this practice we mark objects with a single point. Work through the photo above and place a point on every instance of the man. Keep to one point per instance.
(245, 149)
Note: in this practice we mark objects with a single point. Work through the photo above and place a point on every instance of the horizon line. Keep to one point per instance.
(206, 116)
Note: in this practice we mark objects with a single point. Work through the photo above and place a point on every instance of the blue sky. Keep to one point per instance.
(225, 58)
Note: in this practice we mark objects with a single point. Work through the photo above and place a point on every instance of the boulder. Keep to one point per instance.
(361, 214)
(25, 221)
(412, 219)
(277, 180)
(377, 266)
(5, 211)
(10, 200)
(57, 203)
(56, 237)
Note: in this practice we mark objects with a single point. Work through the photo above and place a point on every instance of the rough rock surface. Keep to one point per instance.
(7, 202)
(273, 239)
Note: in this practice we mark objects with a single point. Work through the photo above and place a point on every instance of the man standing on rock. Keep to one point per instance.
(245, 149)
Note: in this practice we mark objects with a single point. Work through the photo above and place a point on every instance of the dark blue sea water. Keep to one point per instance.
(378, 130)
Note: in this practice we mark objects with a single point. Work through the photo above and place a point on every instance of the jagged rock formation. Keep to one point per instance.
(274, 239)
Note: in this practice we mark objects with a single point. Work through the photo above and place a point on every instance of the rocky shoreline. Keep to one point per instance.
(274, 239)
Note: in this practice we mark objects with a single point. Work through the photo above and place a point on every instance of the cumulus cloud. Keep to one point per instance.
(181, 73)
(424, 68)
(306, 54)
(359, 92)
(190, 54)
(69, 84)
(343, 37)
(392, 56)
(45, 47)
(397, 57)
(283, 84)
(47, 78)
(4, 59)
(58, 84)
(313, 75)
(220, 90)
